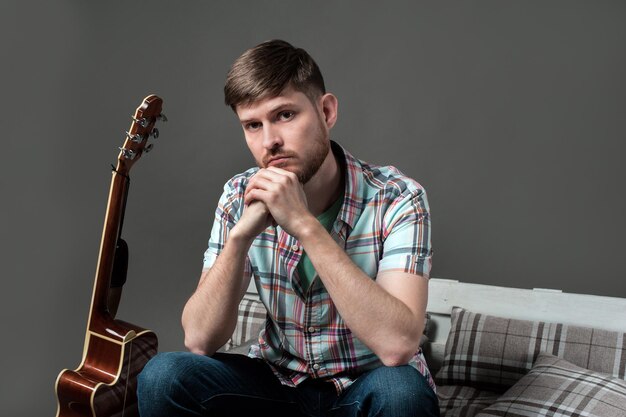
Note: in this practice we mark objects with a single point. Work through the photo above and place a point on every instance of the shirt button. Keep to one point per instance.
(316, 366)
(311, 329)
(295, 248)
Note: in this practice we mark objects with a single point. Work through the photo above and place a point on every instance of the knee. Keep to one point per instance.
(394, 384)
(401, 391)
(162, 377)
(162, 367)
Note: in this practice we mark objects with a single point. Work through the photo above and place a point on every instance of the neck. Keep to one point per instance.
(326, 185)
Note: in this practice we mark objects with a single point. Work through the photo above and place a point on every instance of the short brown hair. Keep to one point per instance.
(267, 69)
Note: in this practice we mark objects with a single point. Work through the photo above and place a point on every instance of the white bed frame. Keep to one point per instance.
(536, 304)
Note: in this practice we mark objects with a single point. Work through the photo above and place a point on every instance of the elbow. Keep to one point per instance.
(400, 353)
(195, 339)
(203, 341)
(397, 357)
(199, 346)
(194, 346)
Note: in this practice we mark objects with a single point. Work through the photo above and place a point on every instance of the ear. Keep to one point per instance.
(329, 106)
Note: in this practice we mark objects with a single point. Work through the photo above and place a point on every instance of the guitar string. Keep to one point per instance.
(130, 354)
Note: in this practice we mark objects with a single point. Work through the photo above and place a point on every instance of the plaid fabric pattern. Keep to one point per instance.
(250, 319)
(463, 401)
(555, 387)
(383, 225)
(492, 353)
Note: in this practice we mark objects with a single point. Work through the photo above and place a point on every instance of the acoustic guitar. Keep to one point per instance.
(115, 351)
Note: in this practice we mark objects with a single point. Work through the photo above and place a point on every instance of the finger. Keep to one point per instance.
(282, 172)
(257, 194)
(252, 183)
(262, 174)
(260, 206)
(277, 170)
(276, 174)
(271, 181)
(262, 184)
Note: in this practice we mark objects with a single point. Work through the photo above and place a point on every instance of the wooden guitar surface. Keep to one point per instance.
(105, 384)
(115, 352)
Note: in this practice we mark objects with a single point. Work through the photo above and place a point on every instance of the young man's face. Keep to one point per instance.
(288, 132)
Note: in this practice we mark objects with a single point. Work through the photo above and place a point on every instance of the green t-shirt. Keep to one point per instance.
(305, 268)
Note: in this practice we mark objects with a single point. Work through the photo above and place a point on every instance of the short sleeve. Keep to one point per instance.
(406, 232)
(226, 214)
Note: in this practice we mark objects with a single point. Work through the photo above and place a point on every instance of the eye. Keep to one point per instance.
(252, 126)
(286, 115)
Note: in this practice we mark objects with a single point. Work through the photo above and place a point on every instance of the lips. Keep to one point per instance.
(277, 161)
(281, 160)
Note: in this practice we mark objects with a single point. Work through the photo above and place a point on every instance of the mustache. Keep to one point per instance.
(276, 155)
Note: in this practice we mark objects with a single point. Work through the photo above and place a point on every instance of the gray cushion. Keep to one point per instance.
(555, 387)
(463, 401)
(250, 319)
(492, 353)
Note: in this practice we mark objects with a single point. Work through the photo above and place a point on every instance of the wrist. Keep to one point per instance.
(240, 239)
(309, 226)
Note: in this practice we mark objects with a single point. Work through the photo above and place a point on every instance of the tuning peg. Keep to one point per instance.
(135, 138)
(154, 133)
(148, 147)
(128, 153)
(162, 117)
(143, 122)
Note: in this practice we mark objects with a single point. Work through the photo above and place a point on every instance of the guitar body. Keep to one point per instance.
(115, 352)
(105, 384)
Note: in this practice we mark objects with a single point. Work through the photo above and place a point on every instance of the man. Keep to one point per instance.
(340, 254)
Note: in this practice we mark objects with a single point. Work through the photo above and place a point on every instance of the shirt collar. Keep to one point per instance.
(354, 185)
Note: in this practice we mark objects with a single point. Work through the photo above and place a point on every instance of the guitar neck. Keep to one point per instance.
(112, 228)
(141, 130)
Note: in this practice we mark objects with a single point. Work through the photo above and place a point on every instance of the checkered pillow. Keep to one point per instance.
(250, 318)
(555, 387)
(463, 401)
(492, 353)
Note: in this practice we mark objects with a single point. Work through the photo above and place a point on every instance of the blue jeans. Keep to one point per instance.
(185, 384)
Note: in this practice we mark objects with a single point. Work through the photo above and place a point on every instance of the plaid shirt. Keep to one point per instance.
(383, 225)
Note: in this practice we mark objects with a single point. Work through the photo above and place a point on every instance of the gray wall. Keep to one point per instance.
(511, 114)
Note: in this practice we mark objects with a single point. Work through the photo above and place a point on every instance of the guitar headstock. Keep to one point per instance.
(141, 131)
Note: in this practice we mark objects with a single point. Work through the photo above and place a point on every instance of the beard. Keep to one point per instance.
(314, 161)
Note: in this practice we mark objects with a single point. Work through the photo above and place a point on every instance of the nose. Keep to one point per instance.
(271, 137)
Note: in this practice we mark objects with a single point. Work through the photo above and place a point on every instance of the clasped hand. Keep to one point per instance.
(283, 197)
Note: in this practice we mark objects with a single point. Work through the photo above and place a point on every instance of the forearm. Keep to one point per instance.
(210, 315)
(383, 322)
